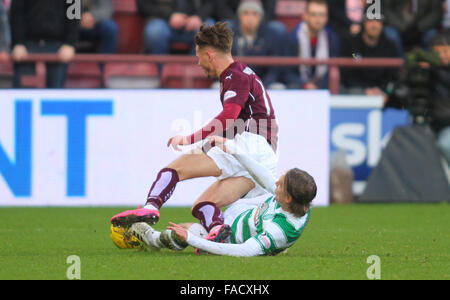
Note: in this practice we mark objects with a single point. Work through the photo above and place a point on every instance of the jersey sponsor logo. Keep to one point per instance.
(259, 211)
(248, 71)
(265, 241)
(228, 95)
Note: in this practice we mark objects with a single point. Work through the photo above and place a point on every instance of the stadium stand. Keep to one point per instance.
(6, 75)
(184, 76)
(129, 69)
(290, 12)
(83, 75)
(182, 71)
(131, 26)
(131, 75)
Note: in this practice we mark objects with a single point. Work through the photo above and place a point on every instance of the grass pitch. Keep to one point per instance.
(412, 241)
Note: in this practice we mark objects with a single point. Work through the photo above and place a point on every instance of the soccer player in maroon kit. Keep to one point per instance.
(247, 118)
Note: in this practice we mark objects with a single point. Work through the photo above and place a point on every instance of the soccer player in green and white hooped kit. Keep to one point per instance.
(265, 229)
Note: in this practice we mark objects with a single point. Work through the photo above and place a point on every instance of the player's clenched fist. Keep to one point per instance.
(179, 140)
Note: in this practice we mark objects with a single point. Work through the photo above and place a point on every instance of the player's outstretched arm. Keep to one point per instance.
(249, 248)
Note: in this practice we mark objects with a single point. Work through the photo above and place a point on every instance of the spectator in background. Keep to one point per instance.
(4, 34)
(226, 11)
(412, 23)
(370, 43)
(311, 39)
(446, 19)
(252, 38)
(440, 104)
(42, 26)
(97, 25)
(171, 21)
(346, 17)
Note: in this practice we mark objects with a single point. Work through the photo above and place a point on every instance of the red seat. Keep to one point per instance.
(172, 76)
(290, 12)
(180, 48)
(131, 26)
(83, 75)
(125, 6)
(131, 75)
(178, 76)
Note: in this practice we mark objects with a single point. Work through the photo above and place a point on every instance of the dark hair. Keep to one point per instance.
(302, 188)
(219, 37)
(441, 39)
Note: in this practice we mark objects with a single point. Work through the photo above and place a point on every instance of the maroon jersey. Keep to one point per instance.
(240, 85)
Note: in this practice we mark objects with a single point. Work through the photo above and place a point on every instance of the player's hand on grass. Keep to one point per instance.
(179, 140)
(181, 232)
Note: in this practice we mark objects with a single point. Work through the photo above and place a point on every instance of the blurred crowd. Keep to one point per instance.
(329, 28)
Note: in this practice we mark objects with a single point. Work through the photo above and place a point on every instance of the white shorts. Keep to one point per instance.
(256, 147)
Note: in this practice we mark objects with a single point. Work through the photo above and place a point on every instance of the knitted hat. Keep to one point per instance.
(253, 5)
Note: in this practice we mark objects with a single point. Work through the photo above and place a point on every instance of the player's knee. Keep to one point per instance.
(179, 171)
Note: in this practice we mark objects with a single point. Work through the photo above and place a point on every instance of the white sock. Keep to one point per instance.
(153, 237)
(150, 206)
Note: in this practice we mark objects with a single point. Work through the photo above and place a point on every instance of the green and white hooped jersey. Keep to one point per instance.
(272, 227)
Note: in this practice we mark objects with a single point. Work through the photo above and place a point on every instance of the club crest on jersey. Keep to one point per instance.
(229, 94)
(259, 211)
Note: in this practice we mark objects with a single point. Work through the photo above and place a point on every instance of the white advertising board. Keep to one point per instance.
(105, 147)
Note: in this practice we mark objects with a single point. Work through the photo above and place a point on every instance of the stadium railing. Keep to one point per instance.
(38, 80)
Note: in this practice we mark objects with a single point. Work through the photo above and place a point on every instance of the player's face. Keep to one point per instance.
(280, 192)
(205, 61)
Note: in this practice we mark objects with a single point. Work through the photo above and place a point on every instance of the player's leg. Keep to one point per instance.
(166, 239)
(186, 167)
(220, 194)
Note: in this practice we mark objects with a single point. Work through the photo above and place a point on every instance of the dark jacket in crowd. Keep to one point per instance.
(338, 19)
(165, 8)
(226, 10)
(157, 8)
(428, 15)
(363, 77)
(265, 44)
(42, 20)
(440, 99)
(4, 29)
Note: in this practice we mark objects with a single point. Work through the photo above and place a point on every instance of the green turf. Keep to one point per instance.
(412, 241)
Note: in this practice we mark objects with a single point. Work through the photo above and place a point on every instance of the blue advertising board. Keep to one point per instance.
(361, 127)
